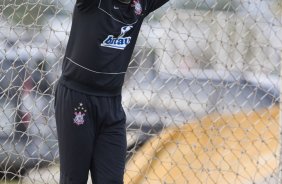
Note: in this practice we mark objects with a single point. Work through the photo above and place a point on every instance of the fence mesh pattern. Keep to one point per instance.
(201, 92)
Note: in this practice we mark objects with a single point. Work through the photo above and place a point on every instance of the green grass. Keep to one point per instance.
(9, 182)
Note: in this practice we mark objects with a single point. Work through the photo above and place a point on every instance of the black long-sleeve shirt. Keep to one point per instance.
(101, 43)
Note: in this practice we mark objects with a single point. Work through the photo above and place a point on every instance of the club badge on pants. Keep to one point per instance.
(79, 113)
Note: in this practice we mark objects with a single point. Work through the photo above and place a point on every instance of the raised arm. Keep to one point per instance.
(85, 4)
(155, 4)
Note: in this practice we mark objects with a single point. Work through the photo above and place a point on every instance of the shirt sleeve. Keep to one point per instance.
(85, 4)
(152, 5)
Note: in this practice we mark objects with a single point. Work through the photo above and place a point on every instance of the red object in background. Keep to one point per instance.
(25, 117)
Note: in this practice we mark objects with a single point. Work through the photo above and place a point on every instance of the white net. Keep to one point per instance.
(201, 93)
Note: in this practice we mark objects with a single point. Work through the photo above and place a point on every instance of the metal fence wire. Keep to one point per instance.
(201, 92)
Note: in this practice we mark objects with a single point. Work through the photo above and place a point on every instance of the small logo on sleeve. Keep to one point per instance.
(79, 112)
(119, 42)
(138, 7)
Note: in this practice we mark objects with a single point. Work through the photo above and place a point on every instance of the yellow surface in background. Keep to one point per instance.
(241, 148)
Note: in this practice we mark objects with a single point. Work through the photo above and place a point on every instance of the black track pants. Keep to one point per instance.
(91, 134)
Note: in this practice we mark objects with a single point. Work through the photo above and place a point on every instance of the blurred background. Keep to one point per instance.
(209, 69)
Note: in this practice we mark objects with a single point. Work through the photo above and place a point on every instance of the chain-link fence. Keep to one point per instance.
(201, 93)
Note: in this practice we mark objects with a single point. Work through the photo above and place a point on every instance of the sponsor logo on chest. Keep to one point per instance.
(119, 42)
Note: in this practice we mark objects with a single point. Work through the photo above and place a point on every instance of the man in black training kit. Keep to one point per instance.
(89, 115)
